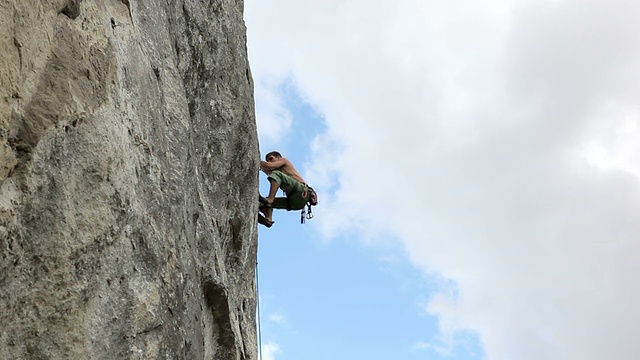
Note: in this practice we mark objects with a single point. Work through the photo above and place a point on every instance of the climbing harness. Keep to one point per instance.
(307, 193)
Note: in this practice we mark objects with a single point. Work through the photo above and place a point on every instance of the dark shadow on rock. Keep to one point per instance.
(217, 299)
(72, 9)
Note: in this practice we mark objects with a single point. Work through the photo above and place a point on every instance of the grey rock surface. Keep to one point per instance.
(128, 180)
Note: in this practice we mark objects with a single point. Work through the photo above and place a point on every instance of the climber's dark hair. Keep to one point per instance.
(274, 153)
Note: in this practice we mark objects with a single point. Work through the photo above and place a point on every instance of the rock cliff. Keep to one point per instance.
(128, 180)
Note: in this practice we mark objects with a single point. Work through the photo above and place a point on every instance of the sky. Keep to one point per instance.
(478, 169)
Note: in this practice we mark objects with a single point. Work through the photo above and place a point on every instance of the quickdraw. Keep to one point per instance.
(312, 200)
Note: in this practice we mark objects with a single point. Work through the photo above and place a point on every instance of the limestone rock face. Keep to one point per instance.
(128, 180)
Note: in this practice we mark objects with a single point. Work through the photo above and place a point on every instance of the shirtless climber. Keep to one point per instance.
(283, 175)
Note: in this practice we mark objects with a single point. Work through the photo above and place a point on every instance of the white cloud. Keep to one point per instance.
(499, 140)
(444, 351)
(270, 350)
(421, 345)
(274, 120)
(277, 318)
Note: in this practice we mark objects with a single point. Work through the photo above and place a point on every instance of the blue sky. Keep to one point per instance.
(339, 298)
(478, 171)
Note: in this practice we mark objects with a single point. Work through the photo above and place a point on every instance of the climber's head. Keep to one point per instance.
(272, 156)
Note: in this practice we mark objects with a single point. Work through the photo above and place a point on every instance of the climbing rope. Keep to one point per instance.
(258, 315)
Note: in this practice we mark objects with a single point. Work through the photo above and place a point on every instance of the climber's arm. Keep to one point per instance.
(273, 165)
